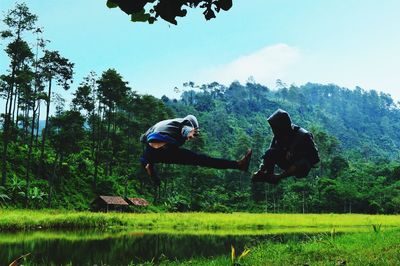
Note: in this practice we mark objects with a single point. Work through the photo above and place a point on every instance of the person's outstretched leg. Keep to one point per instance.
(177, 155)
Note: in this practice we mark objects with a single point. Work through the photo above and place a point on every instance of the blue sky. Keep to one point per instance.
(346, 42)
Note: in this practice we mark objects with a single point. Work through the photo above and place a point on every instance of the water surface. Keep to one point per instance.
(124, 247)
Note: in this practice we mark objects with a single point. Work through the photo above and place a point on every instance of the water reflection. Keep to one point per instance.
(122, 248)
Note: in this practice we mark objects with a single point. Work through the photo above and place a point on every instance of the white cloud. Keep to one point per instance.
(265, 66)
(291, 65)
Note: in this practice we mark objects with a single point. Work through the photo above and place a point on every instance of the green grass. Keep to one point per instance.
(77, 235)
(375, 239)
(13, 220)
(382, 248)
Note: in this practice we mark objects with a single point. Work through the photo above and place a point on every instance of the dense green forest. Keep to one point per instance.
(92, 147)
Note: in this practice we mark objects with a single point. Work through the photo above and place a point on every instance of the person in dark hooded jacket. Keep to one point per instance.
(292, 149)
(163, 141)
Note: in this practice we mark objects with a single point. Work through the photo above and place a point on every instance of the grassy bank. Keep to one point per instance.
(376, 247)
(90, 235)
(13, 220)
(12, 237)
(373, 248)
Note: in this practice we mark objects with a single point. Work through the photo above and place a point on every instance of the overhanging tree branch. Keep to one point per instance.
(150, 10)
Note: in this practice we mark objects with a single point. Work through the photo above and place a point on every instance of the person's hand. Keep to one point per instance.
(193, 133)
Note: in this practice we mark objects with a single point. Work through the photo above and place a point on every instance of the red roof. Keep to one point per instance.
(138, 201)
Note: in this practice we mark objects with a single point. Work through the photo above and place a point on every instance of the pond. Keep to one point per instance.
(124, 247)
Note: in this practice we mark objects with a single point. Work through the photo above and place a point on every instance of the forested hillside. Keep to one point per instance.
(364, 121)
(92, 147)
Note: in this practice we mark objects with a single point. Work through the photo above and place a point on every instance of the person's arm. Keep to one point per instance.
(309, 149)
(314, 153)
(190, 132)
(273, 143)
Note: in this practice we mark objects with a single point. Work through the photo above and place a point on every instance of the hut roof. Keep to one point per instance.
(138, 201)
(113, 200)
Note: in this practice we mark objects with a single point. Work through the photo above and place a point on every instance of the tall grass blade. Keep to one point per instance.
(233, 256)
(18, 261)
(244, 254)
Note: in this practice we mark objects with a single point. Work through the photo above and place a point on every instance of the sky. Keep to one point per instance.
(346, 42)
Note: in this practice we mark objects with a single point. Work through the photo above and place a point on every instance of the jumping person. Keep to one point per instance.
(163, 141)
(292, 149)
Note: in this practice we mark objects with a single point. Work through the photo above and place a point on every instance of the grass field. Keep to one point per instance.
(371, 239)
(13, 220)
(379, 246)
(373, 248)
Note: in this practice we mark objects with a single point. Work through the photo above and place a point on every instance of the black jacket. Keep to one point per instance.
(292, 138)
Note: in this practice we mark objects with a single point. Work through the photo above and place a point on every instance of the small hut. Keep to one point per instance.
(106, 203)
(138, 202)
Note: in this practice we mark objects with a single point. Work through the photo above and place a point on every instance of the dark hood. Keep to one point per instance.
(280, 123)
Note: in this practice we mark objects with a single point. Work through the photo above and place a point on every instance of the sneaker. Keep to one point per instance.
(245, 161)
(261, 176)
(258, 176)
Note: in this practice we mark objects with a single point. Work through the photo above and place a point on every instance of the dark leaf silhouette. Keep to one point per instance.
(168, 10)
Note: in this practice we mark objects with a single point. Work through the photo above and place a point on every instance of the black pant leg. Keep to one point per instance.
(274, 157)
(277, 157)
(303, 167)
(175, 155)
(149, 155)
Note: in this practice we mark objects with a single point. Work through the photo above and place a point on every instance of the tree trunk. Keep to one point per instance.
(94, 128)
(113, 146)
(45, 128)
(37, 125)
(29, 157)
(107, 165)
(6, 129)
(51, 179)
(274, 204)
(96, 169)
(15, 105)
(26, 123)
(266, 198)
(5, 148)
(97, 147)
(4, 154)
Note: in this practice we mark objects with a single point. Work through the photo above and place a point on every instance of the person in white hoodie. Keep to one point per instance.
(163, 145)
